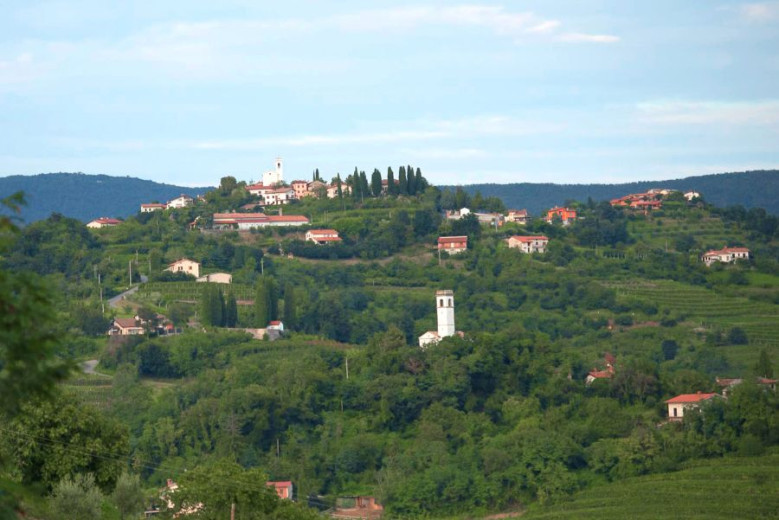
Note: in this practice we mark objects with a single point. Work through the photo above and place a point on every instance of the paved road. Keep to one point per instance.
(88, 367)
(117, 300)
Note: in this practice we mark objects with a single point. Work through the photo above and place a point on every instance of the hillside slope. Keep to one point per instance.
(749, 189)
(86, 197)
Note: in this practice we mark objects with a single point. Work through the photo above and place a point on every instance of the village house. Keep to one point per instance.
(445, 316)
(531, 244)
(491, 219)
(689, 195)
(677, 405)
(357, 507)
(332, 190)
(566, 215)
(284, 489)
(181, 201)
(259, 189)
(300, 188)
(186, 266)
(727, 385)
(102, 222)
(152, 206)
(275, 325)
(596, 374)
(457, 214)
(453, 245)
(322, 236)
(246, 221)
(225, 278)
(125, 327)
(278, 196)
(518, 216)
(725, 255)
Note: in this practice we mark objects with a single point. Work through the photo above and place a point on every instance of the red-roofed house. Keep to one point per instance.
(246, 221)
(322, 236)
(275, 325)
(726, 255)
(565, 214)
(728, 384)
(284, 489)
(152, 206)
(594, 375)
(519, 216)
(103, 222)
(678, 404)
(534, 244)
(453, 245)
(125, 327)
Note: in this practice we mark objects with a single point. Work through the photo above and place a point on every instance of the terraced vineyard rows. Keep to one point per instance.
(725, 488)
(93, 390)
(759, 320)
(172, 291)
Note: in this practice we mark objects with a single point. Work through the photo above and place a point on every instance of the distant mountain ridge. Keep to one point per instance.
(86, 197)
(749, 189)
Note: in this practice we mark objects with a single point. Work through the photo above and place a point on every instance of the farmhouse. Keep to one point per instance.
(148, 208)
(518, 216)
(491, 219)
(322, 236)
(284, 489)
(102, 222)
(245, 221)
(185, 265)
(531, 244)
(726, 255)
(453, 245)
(181, 201)
(565, 214)
(728, 384)
(677, 405)
(125, 327)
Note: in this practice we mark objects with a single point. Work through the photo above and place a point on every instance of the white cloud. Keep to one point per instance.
(709, 112)
(760, 12)
(588, 38)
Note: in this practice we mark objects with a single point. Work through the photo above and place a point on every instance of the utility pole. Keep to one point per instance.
(232, 511)
(130, 268)
(262, 266)
(347, 368)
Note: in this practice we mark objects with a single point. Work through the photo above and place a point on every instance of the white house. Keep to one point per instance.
(689, 195)
(245, 221)
(532, 244)
(148, 208)
(102, 222)
(453, 245)
(677, 405)
(726, 255)
(322, 236)
(216, 278)
(275, 325)
(125, 327)
(445, 309)
(182, 201)
(278, 196)
(185, 265)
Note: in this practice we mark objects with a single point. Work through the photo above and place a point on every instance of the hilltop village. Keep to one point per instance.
(373, 346)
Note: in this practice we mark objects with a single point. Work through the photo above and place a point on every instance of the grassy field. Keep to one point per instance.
(726, 488)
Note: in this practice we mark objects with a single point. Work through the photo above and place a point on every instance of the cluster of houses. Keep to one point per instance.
(649, 201)
(455, 245)
(182, 201)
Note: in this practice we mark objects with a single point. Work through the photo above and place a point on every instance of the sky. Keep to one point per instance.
(577, 91)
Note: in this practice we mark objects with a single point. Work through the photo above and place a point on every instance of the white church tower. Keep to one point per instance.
(444, 301)
(445, 305)
(273, 177)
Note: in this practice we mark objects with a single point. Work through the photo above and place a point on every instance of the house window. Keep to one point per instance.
(675, 411)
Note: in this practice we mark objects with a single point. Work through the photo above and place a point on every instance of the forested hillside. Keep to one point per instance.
(86, 197)
(505, 417)
(756, 189)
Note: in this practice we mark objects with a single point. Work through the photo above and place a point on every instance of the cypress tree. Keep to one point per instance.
(231, 311)
(421, 182)
(338, 183)
(221, 313)
(261, 305)
(411, 181)
(402, 183)
(356, 189)
(376, 183)
(290, 313)
(364, 187)
(391, 188)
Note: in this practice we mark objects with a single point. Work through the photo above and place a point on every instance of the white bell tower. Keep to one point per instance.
(445, 308)
(275, 176)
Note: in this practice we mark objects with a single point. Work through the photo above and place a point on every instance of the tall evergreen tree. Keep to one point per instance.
(273, 298)
(421, 182)
(290, 312)
(261, 304)
(376, 183)
(402, 183)
(211, 306)
(231, 311)
(338, 183)
(364, 187)
(355, 186)
(411, 181)
(391, 188)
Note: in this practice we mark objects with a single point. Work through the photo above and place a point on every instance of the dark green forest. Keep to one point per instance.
(345, 403)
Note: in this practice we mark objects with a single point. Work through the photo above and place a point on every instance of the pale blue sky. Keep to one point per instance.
(577, 91)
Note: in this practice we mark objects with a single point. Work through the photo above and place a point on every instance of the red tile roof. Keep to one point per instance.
(451, 240)
(529, 239)
(690, 398)
(125, 323)
(323, 231)
(108, 221)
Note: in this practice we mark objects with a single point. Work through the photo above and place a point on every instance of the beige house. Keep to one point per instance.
(322, 236)
(125, 327)
(216, 278)
(453, 245)
(518, 216)
(726, 255)
(532, 244)
(182, 201)
(148, 208)
(680, 403)
(185, 265)
(102, 222)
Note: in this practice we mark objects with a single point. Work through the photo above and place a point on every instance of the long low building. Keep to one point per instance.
(245, 221)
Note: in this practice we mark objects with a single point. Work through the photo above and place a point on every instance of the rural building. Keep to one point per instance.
(728, 384)
(322, 236)
(216, 278)
(445, 314)
(186, 266)
(607, 373)
(531, 244)
(275, 325)
(102, 222)
(491, 219)
(726, 255)
(518, 216)
(357, 507)
(284, 489)
(453, 245)
(457, 214)
(148, 208)
(677, 405)
(125, 327)
(566, 215)
(300, 188)
(278, 196)
(689, 195)
(245, 221)
(181, 201)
